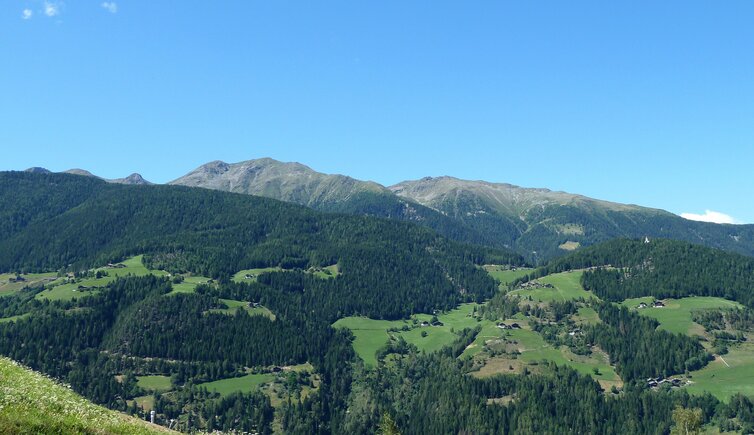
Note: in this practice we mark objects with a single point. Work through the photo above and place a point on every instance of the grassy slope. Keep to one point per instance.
(234, 306)
(370, 335)
(724, 379)
(9, 288)
(134, 266)
(533, 348)
(676, 315)
(155, 383)
(59, 290)
(567, 286)
(246, 383)
(326, 272)
(240, 276)
(189, 284)
(33, 404)
(505, 276)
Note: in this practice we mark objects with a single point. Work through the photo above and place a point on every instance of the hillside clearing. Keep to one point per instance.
(675, 316)
(564, 286)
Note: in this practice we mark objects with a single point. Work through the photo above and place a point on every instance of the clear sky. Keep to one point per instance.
(640, 102)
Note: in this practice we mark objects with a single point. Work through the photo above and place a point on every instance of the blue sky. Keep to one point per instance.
(640, 102)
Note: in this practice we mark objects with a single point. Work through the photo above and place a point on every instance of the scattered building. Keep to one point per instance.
(673, 382)
(534, 284)
(658, 304)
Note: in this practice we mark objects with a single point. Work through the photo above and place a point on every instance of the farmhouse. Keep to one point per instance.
(535, 285)
(642, 305)
(658, 304)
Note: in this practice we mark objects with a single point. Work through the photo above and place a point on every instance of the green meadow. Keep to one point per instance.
(234, 306)
(586, 316)
(250, 382)
(154, 383)
(326, 272)
(13, 318)
(534, 348)
(504, 275)
(727, 375)
(29, 279)
(60, 289)
(189, 283)
(253, 273)
(566, 286)
(370, 335)
(675, 316)
(68, 291)
(250, 275)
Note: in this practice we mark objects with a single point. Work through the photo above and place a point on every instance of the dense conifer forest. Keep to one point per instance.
(106, 341)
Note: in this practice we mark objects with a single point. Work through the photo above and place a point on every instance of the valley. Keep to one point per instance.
(258, 315)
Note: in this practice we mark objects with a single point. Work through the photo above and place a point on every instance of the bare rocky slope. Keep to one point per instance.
(539, 223)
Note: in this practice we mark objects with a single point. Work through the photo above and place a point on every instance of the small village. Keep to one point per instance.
(660, 381)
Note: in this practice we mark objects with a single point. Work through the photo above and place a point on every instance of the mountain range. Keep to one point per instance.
(133, 179)
(538, 223)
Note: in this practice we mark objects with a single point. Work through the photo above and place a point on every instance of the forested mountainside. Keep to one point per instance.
(299, 184)
(55, 220)
(216, 311)
(660, 268)
(539, 223)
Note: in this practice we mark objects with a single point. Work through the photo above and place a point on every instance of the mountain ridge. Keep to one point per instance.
(537, 222)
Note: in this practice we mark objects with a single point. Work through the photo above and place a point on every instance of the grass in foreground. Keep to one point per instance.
(33, 404)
